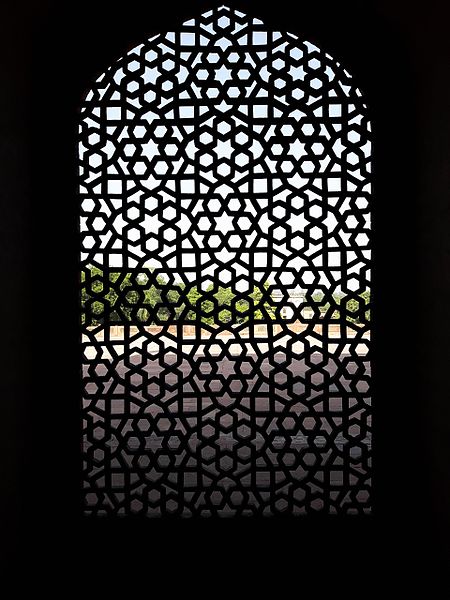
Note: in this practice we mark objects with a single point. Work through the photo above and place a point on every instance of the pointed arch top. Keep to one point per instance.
(148, 121)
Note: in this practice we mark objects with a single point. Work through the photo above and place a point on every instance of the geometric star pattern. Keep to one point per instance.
(225, 195)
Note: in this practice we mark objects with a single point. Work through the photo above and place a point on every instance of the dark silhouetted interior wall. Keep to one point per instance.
(399, 54)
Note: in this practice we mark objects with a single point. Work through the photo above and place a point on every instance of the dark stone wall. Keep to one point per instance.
(399, 53)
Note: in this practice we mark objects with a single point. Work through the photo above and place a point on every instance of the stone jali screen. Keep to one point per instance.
(225, 277)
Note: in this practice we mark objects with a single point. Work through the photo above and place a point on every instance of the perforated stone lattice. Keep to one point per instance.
(225, 206)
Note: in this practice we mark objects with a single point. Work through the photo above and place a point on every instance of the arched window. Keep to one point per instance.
(225, 223)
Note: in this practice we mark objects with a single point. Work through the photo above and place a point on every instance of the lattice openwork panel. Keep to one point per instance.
(225, 299)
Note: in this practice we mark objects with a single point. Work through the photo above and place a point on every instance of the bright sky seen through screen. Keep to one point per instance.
(320, 246)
